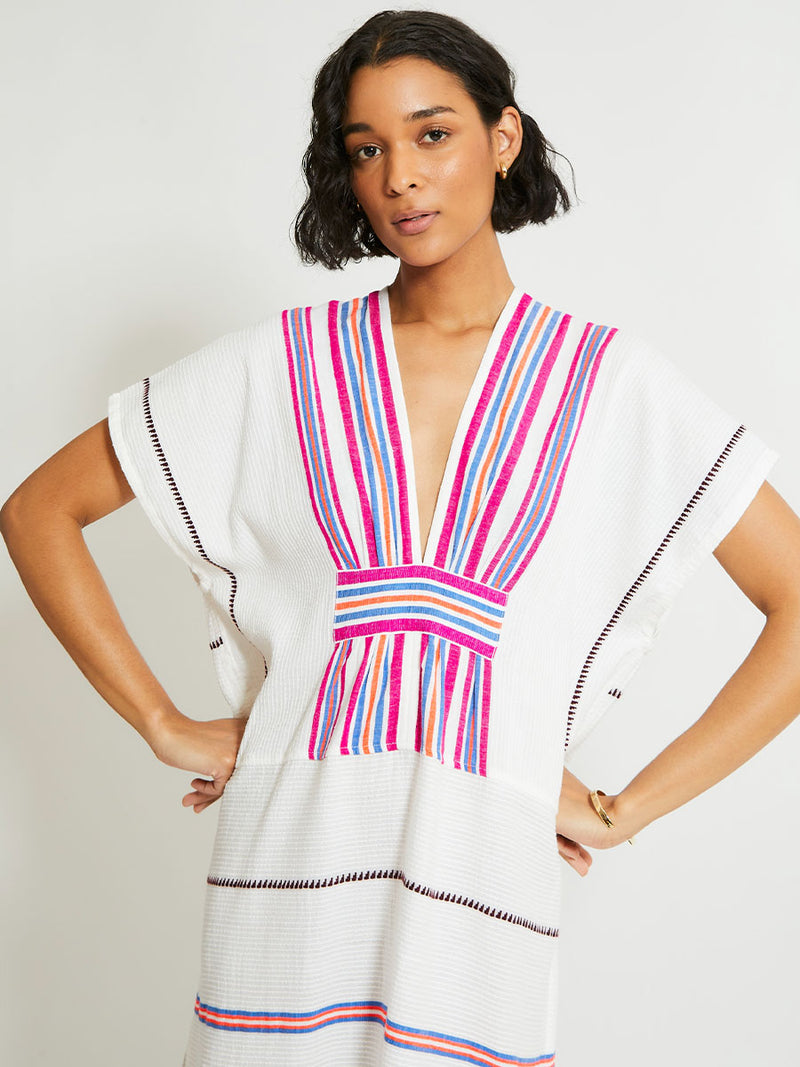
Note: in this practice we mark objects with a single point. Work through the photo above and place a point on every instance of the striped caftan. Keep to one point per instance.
(385, 880)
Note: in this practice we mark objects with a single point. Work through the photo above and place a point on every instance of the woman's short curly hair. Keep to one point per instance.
(329, 228)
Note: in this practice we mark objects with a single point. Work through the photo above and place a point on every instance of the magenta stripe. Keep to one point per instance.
(347, 744)
(334, 696)
(486, 691)
(490, 508)
(356, 461)
(323, 689)
(510, 333)
(327, 525)
(395, 690)
(402, 504)
(534, 483)
(328, 469)
(303, 445)
(385, 605)
(537, 540)
(452, 660)
(573, 399)
(424, 644)
(463, 712)
(424, 570)
(454, 703)
(418, 625)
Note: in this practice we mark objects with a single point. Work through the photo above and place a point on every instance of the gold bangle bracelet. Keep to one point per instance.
(594, 796)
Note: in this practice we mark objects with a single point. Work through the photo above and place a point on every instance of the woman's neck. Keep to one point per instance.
(467, 290)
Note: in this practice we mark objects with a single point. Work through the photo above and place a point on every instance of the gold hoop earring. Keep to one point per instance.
(503, 171)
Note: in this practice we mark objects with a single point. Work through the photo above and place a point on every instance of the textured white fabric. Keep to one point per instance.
(389, 885)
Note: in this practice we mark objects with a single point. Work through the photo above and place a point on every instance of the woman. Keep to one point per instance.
(437, 527)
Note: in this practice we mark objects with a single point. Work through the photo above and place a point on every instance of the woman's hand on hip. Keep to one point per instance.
(578, 825)
(208, 747)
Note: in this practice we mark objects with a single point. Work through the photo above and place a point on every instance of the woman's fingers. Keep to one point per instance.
(206, 791)
(210, 746)
(575, 854)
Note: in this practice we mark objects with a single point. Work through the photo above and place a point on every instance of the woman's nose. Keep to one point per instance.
(402, 171)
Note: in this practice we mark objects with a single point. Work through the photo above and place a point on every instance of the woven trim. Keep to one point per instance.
(639, 581)
(410, 1038)
(184, 511)
(398, 875)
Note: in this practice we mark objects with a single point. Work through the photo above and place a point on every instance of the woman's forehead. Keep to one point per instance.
(405, 89)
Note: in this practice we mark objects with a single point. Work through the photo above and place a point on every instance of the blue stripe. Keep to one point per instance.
(427, 672)
(333, 700)
(487, 427)
(313, 436)
(521, 399)
(378, 409)
(457, 622)
(411, 585)
(445, 647)
(366, 1015)
(556, 456)
(381, 701)
(358, 718)
(358, 412)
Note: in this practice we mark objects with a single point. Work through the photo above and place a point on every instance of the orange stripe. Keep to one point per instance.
(370, 427)
(418, 598)
(315, 458)
(376, 672)
(470, 735)
(499, 424)
(434, 702)
(573, 400)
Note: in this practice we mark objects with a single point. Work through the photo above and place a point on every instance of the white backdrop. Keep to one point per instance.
(152, 173)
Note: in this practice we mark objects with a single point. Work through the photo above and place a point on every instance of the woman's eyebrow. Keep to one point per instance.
(412, 116)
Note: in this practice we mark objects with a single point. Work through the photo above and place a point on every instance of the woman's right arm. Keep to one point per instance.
(42, 524)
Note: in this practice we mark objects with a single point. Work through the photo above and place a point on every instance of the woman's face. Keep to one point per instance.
(406, 161)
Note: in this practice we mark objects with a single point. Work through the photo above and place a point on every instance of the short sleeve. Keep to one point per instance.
(669, 472)
(180, 436)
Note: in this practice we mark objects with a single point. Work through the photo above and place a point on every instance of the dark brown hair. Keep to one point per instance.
(329, 228)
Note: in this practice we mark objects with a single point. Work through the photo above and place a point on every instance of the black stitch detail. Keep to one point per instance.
(184, 511)
(643, 575)
(216, 643)
(615, 693)
(416, 887)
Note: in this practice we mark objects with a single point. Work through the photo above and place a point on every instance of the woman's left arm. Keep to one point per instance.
(762, 555)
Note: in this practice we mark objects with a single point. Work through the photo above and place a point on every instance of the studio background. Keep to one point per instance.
(152, 174)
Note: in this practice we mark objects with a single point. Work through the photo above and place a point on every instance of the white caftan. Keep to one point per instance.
(385, 880)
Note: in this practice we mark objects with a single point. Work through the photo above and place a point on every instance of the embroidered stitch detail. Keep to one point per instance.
(181, 506)
(639, 581)
(408, 1037)
(215, 643)
(361, 876)
(615, 693)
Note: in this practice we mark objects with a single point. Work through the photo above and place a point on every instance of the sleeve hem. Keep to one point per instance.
(677, 567)
(138, 482)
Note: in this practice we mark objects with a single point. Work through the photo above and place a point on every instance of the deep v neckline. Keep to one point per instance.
(388, 350)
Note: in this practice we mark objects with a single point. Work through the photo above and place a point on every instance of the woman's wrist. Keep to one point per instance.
(160, 724)
(627, 814)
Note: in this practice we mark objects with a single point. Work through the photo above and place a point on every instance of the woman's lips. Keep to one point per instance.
(416, 225)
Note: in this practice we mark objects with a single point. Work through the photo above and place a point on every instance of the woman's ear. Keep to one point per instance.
(508, 134)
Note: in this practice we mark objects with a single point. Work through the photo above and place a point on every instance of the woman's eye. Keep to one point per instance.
(364, 148)
(438, 140)
(369, 151)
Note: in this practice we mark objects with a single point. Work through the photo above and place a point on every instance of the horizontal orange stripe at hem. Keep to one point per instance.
(407, 1037)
